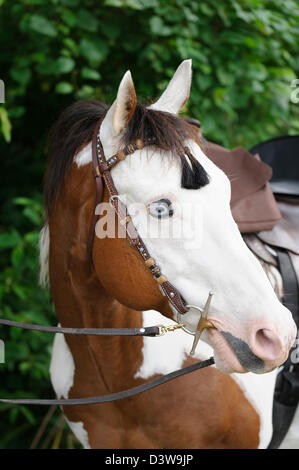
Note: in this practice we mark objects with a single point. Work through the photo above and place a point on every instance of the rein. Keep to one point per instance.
(153, 331)
(115, 396)
(157, 330)
(102, 174)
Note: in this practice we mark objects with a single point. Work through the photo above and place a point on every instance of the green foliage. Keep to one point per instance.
(245, 55)
(53, 52)
(25, 372)
(5, 124)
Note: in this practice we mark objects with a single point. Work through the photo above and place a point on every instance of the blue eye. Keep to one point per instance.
(161, 209)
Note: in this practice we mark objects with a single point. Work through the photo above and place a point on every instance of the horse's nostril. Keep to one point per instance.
(267, 344)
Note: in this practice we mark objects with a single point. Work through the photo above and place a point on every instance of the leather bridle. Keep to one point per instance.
(102, 174)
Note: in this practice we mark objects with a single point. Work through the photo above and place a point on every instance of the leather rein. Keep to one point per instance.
(102, 175)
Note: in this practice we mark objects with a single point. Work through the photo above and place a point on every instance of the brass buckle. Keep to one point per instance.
(165, 329)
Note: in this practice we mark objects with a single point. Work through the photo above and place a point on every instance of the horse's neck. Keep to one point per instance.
(81, 301)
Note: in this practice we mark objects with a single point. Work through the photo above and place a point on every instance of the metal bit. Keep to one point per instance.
(202, 324)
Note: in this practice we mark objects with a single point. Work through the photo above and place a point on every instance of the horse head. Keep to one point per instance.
(179, 202)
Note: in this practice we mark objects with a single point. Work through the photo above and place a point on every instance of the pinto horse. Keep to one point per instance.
(226, 406)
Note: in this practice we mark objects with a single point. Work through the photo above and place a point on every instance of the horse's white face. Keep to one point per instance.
(197, 243)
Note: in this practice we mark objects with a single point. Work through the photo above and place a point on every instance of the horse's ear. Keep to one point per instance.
(122, 110)
(178, 90)
(125, 104)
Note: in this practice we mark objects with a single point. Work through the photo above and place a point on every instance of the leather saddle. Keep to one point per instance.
(265, 206)
(264, 194)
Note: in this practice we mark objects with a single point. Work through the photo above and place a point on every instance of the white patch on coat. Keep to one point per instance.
(259, 391)
(166, 353)
(44, 246)
(62, 367)
(80, 432)
(62, 371)
(84, 156)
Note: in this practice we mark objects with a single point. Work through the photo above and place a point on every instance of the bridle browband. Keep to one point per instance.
(102, 175)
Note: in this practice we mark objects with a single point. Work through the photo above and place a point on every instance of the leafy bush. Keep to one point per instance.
(25, 372)
(245, 55)
(53, 52)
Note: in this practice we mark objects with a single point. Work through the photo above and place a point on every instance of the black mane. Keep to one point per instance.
(74, 129)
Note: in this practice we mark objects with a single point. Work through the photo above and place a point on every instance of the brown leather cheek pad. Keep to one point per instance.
(122, 272)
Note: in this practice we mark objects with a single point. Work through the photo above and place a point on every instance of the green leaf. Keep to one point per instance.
(42, 25)
(90, 74)
(257, 71)
(85, 93)
(25, 201)
(5, 124)
(134, 4)
(14, 415)
(9, 240)
(69, 18)
(32, 215)
(94, 50)
(64, 88)
(225, 77)
(64, 65)
(17, 111)
(17, 255)
(21, 75)
(20, 291)
(110, 30)
(87, 21)
(32, 238)
(28, 414)
(158, 27)
(70, 3)
(71, 45)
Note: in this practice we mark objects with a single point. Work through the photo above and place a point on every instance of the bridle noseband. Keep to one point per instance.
(102, 175)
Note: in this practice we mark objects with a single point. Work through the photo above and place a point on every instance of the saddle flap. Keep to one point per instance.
(285, 234)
